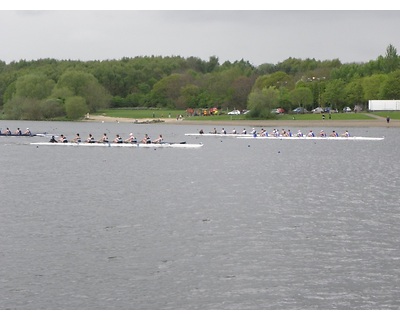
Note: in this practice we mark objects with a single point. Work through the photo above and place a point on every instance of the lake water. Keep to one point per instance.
(236, 224)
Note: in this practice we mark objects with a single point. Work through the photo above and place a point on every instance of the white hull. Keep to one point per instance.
(228, 135)
(315, 138)
(121, 145)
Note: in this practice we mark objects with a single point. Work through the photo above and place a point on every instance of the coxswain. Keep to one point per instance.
(201, 131)
(118, 139)
(158, 140)
(90, 138)
(53, 139)
(18, 131)
(27, 132)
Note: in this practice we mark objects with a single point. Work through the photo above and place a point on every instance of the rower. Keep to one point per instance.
(244, 131)
(77, 138)
(334, 134)
(299, 133)
(104, 138)
(346, 134)
(146, 139)
(53, 139)
(131, 138)
(158, 140)
(311, 134)
(18, 131)
(7, 132)
(27, 132)
(254, 132)
(63, 139)
(223, 131)
(90, 138)
(118, 139)
(234, 131)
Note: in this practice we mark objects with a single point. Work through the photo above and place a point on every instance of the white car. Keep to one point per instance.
(346, 109)
(234, 112)
(318, 110)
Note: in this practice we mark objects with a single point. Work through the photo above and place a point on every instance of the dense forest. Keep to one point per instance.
(51, 89)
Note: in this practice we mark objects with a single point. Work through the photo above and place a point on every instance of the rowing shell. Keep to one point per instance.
(316, 138)
(233, 135)
(25, 135)
(124, 145)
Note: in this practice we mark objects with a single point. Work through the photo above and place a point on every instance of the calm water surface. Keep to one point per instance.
(237, 224)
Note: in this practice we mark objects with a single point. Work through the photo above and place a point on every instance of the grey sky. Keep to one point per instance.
(255, 36)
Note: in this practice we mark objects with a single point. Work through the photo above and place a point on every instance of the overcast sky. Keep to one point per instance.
(257, 36)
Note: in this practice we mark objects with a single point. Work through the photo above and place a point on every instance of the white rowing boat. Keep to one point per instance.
(228, 135)
(180, 145)
(315, 138)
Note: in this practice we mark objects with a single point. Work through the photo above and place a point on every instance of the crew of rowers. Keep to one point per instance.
(104, 139)
(18, 132)
(281, 133)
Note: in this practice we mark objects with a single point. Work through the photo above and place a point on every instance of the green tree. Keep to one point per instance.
(241, 88)
(85, 85)
(276, 79)
(391, 59)
(22, 108)
(301, 97)
(34, 86)
(372, 86)
(190, 94)
(52, 108)
(391, 88)
(334, 93)
(166, 92)
(261, 102)
(76, 107)
(354, 94)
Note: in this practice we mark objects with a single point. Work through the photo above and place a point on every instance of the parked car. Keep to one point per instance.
(346, 109)
(234, 112)
(318, 110)
(300, 110)
(278, 111)
(330, 110)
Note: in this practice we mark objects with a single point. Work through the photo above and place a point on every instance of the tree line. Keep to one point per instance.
(51, 89)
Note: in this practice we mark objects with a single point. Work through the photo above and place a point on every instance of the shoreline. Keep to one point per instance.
(374, 122)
